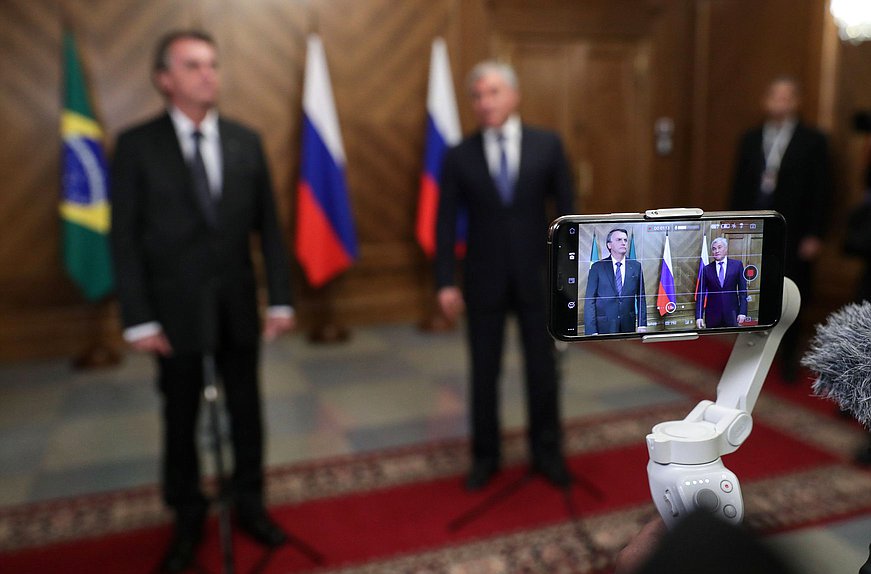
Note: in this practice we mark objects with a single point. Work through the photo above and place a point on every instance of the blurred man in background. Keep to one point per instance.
(505, 174)
(784, 165)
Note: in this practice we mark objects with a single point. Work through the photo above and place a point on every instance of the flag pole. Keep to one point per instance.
(101, 351)
(327, 328)
(84, 205)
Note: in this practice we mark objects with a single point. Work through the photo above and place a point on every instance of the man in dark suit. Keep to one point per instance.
(615, 289)
(722, 290)
(784, 165)
(188, 190)
(505, 175)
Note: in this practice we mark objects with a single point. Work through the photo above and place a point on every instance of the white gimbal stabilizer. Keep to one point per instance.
(685, 468)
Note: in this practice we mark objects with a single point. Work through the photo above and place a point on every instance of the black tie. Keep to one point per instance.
(200, 179)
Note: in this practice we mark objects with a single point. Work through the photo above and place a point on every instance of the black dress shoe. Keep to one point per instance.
(255, 522)
(554, 470)
(481, 473)
(185, 540)
(180, 554)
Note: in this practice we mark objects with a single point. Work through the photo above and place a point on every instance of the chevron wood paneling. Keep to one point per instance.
(378, 53)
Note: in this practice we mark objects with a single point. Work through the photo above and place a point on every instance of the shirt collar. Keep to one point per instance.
(787, 126)
(510, 129)
(185, 126)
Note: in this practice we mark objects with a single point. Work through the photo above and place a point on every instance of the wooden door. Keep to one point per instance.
(595, 93)
(748, 250)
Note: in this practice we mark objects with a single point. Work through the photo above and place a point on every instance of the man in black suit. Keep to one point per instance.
(504, 175)
(615, 289)
(784, 165)
(188, 190)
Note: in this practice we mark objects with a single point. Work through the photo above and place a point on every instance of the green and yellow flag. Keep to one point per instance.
(84, 206)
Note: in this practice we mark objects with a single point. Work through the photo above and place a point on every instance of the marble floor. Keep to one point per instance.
(66, 432)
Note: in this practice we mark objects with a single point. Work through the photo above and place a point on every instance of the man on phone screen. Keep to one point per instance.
(614, 301)
(722, 291)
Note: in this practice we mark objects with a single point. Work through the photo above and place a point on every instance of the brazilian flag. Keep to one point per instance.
(594, 251)
(84, 207)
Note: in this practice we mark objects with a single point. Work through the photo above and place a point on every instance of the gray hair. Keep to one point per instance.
(722, 240)
(489, 67)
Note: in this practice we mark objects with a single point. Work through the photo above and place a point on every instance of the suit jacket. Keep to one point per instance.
(804, 183)
(604, 310)
(171, 265)
(506, 244)
(722, 305)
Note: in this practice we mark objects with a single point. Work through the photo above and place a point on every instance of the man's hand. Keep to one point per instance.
(741, 319)
(451, 302)
(639, 549)
(277, 325)
(700, 323)
(157, 343)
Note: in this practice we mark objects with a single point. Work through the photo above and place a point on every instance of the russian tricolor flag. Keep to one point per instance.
(665, 299)
(326, 243)
(703, 261)
(442, 132)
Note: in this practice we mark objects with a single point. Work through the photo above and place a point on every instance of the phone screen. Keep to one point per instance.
(627, 276)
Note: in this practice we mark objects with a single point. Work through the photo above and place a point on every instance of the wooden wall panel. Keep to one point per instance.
(706, 63)
(378, 53)
(740, 48)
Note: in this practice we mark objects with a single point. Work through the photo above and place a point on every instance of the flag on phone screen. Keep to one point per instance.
(665, 300)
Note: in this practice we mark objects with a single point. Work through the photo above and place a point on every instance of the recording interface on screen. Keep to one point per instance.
(676, 275)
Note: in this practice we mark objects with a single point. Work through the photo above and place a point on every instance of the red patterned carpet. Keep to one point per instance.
(392, 511)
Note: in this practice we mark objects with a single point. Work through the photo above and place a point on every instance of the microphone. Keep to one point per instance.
(840, 356)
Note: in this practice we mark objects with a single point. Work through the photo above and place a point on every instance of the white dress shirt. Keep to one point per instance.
(622, 270)
(512, 132)
(210, 144)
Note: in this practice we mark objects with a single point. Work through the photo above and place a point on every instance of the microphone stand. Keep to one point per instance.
(211, 394)
(518, 484)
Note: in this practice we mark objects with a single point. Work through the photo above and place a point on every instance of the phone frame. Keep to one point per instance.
(559, 321)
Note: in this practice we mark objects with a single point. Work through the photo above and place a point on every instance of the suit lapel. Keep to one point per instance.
(609, 271)
(480, 161)
(526, 149)
(173, 159)
(629, 274)
(229, 158)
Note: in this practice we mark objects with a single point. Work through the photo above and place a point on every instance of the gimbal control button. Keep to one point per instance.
(707, 499)
(730, 511)
(726, 486)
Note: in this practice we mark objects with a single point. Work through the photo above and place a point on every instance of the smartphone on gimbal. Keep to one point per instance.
(669, 271)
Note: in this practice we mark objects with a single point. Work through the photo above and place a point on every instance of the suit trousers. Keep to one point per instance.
(181, 385)
(486, 332)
